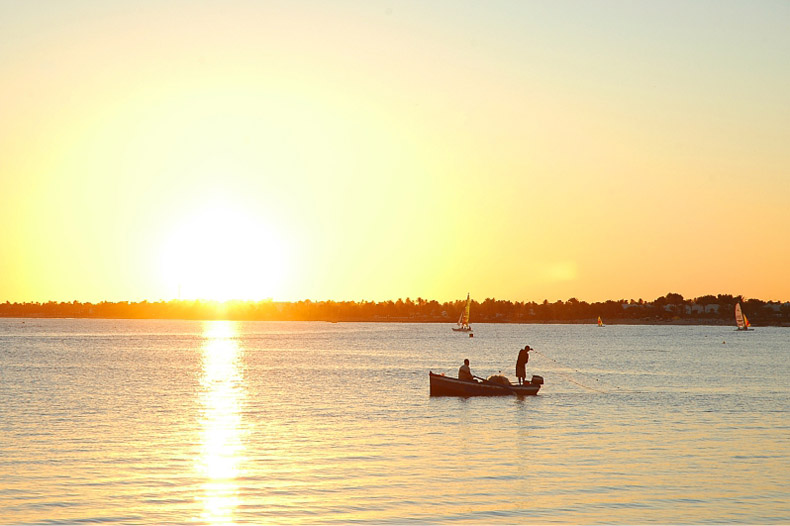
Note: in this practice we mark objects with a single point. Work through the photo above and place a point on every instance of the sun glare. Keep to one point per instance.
(222, 253)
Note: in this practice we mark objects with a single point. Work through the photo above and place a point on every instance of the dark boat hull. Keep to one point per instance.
(448, 386)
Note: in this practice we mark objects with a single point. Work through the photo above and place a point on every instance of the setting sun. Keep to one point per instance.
(223, 253)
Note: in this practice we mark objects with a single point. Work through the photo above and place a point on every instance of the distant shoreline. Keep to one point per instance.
(671, 309)
(623, 321)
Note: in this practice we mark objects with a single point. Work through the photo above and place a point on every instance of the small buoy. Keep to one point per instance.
(723, 342)
(471, 335)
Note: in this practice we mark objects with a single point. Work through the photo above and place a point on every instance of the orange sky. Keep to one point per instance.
(369, 150)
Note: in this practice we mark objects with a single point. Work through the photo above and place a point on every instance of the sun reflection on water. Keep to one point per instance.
(222, 397)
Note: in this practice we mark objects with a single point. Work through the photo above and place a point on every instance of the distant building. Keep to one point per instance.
(777, 307)
(627, 306)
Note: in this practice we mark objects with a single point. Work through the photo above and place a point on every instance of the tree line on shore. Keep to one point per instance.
(665, 309)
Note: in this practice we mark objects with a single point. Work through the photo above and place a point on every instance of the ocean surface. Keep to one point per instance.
(161, 422)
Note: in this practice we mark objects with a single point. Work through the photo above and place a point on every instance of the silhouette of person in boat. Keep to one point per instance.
(464, 373)
(521, 364)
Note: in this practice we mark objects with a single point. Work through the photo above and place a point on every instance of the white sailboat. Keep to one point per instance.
(741, 320)
(463, 320)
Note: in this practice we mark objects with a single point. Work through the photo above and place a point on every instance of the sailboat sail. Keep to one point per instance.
(739, 317)
(600, 322)
(463, 320)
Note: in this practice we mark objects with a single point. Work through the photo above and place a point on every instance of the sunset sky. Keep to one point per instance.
(354, 150)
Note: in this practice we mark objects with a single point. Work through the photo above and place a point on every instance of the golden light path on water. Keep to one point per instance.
(222, 398)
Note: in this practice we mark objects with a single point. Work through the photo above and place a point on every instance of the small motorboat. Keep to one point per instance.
(442, 385)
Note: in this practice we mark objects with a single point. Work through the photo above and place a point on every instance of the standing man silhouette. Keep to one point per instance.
(521, 364)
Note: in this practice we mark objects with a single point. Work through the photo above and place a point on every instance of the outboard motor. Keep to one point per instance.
(536, 380)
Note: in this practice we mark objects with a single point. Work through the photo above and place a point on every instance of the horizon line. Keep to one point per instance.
(407, 298)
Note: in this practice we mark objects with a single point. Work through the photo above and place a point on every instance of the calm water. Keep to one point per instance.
(221, 422)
